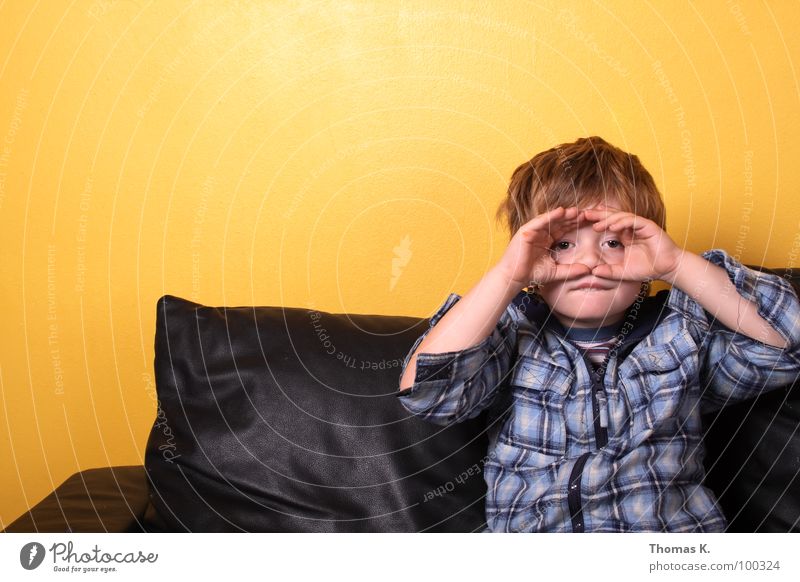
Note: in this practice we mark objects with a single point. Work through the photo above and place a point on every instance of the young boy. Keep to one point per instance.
(595, 389)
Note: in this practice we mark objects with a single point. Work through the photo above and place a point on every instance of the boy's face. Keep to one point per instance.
(575, 304)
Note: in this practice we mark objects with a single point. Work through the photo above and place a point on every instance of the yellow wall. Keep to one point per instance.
(286, 152)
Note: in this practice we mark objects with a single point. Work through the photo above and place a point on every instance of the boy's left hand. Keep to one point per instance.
(649, 251)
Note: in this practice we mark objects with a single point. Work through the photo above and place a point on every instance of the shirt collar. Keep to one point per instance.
(638, 323)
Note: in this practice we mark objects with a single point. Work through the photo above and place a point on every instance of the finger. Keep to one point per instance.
(595, 214)
(572, 219)
(552, 223)
(603, 206)
(607, 271)
(633, 222)
(619, 222)
(540, 219)
(557, 214)
(602, 222)
(544, 238)
(571, 212)
(611, 216)
(570, 271)
(559, 224)
(559, 229)
(613, 272)
(582, 218)
(601, 210)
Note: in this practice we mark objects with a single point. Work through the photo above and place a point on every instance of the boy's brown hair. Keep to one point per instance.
(583, 173)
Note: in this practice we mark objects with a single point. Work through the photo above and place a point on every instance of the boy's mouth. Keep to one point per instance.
(590, 286)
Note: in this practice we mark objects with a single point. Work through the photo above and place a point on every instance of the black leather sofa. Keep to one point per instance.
(276, 419)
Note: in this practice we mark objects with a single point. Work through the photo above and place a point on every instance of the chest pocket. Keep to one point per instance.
(660, 373)
(537, 420)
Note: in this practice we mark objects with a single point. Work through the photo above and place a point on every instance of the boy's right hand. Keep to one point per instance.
(528, 259)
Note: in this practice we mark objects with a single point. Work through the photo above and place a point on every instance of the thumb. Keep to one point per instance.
(608, 271)
(571, 271)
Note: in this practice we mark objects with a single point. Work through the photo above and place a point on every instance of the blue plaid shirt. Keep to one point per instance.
(622, 453)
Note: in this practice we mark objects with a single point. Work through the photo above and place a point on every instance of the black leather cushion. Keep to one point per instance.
(754, 462)
(107, 499)
(286, 419)
(753, 456)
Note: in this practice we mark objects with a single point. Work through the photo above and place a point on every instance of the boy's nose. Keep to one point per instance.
(590, 257)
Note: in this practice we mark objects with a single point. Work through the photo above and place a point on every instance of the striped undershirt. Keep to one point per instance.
(595, 342)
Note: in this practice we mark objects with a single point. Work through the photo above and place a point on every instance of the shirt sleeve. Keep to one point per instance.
(733, 366)
(454, 386)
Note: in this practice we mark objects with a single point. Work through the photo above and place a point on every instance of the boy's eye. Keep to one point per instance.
(614, 244)
(561, 245)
